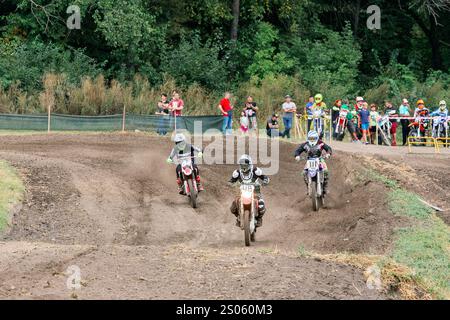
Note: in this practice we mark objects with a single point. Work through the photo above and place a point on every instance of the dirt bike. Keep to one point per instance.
(385, 125)
(189, 179)
(341, 124)
(418, 129)
(317, 118)
(248, 210)
(315, 176)
(440, 127)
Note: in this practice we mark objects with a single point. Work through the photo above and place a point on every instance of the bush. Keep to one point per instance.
(195, 63)
(27, 62)
(328, 65)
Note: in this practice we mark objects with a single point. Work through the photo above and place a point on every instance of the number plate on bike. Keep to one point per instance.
(247, 187)
(312, 164)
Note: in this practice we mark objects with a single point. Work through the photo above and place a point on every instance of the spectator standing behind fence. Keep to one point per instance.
(273, 126)
(289, 110)
(244, 122)
(374, 116)
(176, 105)
(364, 115)
(392, 112)
(308, 111)
(251, 110)
(227, 111)
(335, 110)
(404, 111)
(163, 111)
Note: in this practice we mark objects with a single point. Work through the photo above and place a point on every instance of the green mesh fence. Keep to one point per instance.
(161, 124)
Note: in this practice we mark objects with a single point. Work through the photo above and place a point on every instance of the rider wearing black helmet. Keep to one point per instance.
(247, 172)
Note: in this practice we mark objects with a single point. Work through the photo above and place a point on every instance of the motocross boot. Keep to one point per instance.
(261, 212)
(180, 187)
(306, 183)
(235, 211)
(325, 185)
(199, 184)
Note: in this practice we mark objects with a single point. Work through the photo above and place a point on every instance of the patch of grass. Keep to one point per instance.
(426, 250)
(302, 252)
(395, 277)
(11, 191)
(372, 175)
(402, 202)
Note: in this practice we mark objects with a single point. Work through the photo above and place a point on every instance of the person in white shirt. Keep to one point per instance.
(289, 110)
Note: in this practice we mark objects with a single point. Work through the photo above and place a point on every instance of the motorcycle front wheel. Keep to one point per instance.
(314, 199)
(247, 234)
(192, 193)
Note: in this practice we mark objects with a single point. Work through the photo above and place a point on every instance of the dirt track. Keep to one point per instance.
(108, 204)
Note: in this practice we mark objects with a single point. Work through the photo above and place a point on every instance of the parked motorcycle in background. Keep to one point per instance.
(341, 124)
(440, 127)
(384, 126)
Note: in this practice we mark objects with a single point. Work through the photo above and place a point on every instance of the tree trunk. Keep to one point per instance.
(235, 24)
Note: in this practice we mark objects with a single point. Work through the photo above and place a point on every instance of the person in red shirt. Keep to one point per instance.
(176, 105)
(227, 111)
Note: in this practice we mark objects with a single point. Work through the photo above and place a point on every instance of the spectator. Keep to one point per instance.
(227, 111)
(335, 115)
(289, 109)
(163, 111)
(404, 112)
(308, 111)
(359, 102)
(244, 123)
(273, 126)
(251, 110)
(392, 112)
(350, 120)
(374, 115)
(364, 115)
(176, 105)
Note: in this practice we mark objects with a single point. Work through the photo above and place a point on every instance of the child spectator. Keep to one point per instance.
(364, 115)
(374, 115)
(392, 112)
(244, 123)
(350, 120)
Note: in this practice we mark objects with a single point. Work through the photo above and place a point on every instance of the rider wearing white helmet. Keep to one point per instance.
(184, 149)
(314, 147)
(247, 172)
(442, 112)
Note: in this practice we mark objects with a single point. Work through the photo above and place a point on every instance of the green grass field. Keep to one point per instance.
(11, 191)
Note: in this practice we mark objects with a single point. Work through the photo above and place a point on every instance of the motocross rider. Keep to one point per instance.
(184, 149)
(319, 107)
(314, 148)
(421, 110)
(441, 112)
(247, 172)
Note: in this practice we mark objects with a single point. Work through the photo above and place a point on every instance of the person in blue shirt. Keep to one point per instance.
(308, 111)
(364, 115)
(404, 111)
(442, 113)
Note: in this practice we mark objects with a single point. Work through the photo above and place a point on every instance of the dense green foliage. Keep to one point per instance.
(321, 45)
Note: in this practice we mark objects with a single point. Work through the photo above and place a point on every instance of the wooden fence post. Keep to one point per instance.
(124, 117)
